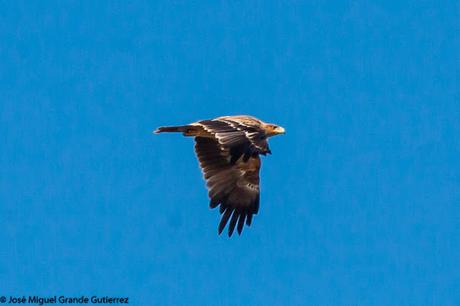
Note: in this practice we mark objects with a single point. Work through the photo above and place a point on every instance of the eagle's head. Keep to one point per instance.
(273, 129)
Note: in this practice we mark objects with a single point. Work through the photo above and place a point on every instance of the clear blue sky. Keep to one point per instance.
(360, 200)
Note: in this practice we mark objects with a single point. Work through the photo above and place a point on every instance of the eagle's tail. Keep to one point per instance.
(170, 129)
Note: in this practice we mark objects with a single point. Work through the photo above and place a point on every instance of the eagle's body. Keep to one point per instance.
(228, 150)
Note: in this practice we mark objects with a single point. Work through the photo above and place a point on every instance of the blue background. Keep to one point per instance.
(360, 200)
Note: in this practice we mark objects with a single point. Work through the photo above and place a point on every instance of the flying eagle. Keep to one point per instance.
(228, 150)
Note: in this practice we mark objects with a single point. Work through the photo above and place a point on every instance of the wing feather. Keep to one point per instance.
(233, 186)
(226, 215)
(231, 226)
(241, 223)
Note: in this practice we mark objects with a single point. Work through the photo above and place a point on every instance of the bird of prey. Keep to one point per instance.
(228, 150)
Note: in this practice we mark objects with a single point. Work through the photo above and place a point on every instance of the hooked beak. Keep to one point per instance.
(280, 130)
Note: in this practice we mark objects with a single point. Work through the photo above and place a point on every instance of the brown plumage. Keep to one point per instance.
(228, 150)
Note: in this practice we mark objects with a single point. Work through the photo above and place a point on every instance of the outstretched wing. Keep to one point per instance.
(233, 185)
(241, 137)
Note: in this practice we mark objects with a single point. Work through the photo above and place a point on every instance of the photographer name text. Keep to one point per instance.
(62, 299)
